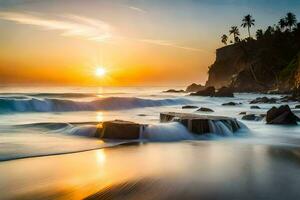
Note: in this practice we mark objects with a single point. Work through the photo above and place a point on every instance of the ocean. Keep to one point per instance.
(41, 121)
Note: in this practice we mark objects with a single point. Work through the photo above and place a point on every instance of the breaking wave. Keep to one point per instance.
(63, 105)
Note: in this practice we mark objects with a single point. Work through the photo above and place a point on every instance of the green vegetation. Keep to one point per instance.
(289, 70)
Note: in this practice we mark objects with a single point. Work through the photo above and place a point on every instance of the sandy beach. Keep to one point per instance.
(181, 170)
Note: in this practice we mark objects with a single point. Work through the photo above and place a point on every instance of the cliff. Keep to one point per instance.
(269, 63)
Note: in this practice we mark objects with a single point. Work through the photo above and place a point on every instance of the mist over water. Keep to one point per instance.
(46, 121)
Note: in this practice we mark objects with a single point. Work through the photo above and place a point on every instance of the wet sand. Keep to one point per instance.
(183, 170)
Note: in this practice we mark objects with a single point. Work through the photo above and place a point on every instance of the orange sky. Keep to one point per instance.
(139, 42)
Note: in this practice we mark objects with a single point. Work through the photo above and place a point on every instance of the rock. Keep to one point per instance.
(251, 117)
(224, 92)
(243, 113)
(119, 129)
(263, 100)
(281, 115)
(203, 109)
(199, 124)
(297, 106)
(174, 91)
(189, 107)
(209, 91)
(230, 104)
(194, 87)
(254, 107)
(289, 99)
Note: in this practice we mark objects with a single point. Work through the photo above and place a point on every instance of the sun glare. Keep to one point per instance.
(100, 71)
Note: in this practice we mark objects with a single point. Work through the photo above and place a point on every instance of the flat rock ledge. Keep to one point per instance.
(119, 129)
(199, 124)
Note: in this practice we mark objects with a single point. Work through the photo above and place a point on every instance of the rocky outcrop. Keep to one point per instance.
(189, 107)
(281, 115)
(230, 104)
(254, 107)
(263, 100)
(203, 109)
(209, 91)
(174, 91)
(224, 92)
(252, 117)
(119, 129)
(194, 87)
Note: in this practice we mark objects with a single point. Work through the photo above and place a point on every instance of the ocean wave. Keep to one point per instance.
(63, 105)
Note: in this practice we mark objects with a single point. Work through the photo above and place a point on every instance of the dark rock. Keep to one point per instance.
(119, 129)
(252, 117)
(254, 107)
(203, 109)
(230, 104)
(194, 87)
(209, 91)
(189, 107)
(174, 91)
(199, 124)
(297, 106)
(243, 113)
(263, 100)
(224, 92)
(289, 99)
(281, 115)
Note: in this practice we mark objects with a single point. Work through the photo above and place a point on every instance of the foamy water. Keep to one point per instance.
(45, 121)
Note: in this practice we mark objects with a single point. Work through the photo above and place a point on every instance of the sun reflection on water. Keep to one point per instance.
(101, 157)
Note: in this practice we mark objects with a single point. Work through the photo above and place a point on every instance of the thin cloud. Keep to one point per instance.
(170, 44)
(68, 25)
(136, 9)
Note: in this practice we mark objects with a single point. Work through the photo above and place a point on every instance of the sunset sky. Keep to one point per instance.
(138, 42)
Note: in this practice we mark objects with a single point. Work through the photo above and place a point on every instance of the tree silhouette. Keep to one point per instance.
(282, 24)
(235, 32)
(248, 21)
(259, 34)
(224, 39)
(291, 20)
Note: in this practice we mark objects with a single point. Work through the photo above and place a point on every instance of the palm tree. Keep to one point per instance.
(235, 31)
(248, 21)
(259, 34)
(291, 20)
(282, 24)
(224, 39)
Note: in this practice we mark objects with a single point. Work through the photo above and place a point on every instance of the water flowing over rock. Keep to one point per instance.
(203, 124)
(254, 107)
(281, 115)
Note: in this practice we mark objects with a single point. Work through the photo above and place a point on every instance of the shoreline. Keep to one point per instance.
(195, 168)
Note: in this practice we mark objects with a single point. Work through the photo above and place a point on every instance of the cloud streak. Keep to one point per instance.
(170, 44)
(68, 25)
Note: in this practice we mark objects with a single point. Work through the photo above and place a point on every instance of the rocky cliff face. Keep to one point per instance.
(257, 65)
(229, 62)
(297, 74)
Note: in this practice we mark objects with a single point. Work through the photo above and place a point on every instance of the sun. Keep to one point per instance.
(100, 71)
